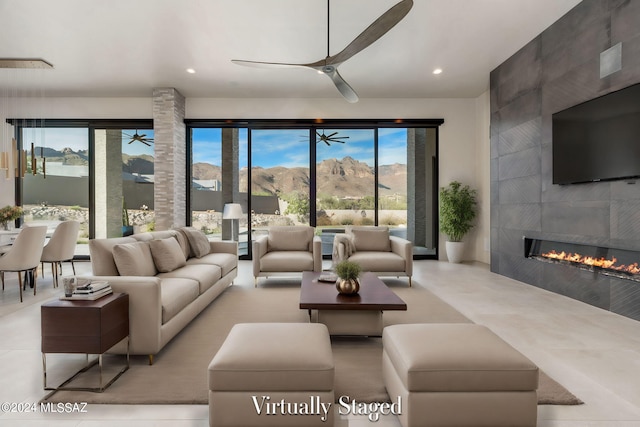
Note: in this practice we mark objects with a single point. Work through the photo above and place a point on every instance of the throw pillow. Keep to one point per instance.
(167, 254)
(181, 237)
(134, 259)
(371, 239)
(197, 241)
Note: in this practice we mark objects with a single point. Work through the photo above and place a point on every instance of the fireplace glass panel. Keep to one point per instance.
(610, 261)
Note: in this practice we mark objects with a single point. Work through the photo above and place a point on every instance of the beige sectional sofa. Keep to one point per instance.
(170, 276)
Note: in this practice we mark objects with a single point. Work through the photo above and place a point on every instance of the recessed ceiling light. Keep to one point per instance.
(437, 71)
(191, 71)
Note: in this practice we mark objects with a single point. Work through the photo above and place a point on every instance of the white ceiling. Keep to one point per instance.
(125, 48)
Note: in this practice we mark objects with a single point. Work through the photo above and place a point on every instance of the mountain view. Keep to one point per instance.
(140, 164)
(339, 178)
(336, 177)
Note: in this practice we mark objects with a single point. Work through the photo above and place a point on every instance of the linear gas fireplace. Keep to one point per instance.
(618, 263)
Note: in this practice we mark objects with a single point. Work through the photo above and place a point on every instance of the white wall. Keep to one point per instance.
(482, 231)
(463, 146)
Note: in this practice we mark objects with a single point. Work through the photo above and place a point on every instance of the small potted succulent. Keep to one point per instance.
(348, 272)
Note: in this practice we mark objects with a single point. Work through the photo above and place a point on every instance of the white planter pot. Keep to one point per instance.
(455, 251)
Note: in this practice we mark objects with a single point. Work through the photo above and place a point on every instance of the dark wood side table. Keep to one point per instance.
(89, 327)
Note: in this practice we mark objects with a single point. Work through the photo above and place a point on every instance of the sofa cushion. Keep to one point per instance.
(167, 254)
(181, 237)
(371, 238)
(379, 261)
(142, 237)
(293, 238)
(205, 274)
(227, 262)
(101, 250)
(162, 234)
(287, 261)
(176, 294)
(198, 241)
(134, 259)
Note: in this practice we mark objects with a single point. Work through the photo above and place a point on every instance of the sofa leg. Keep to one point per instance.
(409, 281)
(150, 359)
(255, 282)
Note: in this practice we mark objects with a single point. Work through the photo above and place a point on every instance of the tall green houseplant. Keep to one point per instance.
(457, 210)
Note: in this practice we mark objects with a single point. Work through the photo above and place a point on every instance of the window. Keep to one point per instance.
(360, 173)
(100, 173)
(206, 180)
(55, 187)
(279, 178)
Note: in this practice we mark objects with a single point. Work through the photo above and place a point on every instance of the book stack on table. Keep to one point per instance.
(91, 291)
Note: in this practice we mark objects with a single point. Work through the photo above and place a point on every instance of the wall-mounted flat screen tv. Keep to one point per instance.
(598, 140)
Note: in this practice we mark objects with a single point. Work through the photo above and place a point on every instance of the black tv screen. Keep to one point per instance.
(598, 140)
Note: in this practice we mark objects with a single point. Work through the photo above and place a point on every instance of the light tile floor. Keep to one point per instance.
(594, 353)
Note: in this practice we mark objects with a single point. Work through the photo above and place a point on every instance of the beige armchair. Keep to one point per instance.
(285, 250)
(24, 255)
(375, 250)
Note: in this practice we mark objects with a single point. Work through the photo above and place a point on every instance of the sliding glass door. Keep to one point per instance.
(327, 177)
(345, 181)
(279, 178)
(55, 185)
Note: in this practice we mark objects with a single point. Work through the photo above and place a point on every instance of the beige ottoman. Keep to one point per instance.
(272, 374)
(458, 375)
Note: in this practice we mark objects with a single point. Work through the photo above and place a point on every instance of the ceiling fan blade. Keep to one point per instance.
(329, 136)
(343, 87)
(260, 64)
(373, 32)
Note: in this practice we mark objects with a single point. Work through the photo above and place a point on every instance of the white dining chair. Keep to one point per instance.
(24, 255)
(61, 248)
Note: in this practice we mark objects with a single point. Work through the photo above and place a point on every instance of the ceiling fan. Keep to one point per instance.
(140, 138)
(329, 65)
(328, 139)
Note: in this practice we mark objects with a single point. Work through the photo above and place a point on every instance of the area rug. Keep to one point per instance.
(179, 373)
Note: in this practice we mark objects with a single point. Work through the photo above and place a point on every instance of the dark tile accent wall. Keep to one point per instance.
(558, 69)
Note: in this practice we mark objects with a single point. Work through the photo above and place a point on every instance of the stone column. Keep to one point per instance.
(108, 183)
(418, 186)
(170, 158)
(230, 176)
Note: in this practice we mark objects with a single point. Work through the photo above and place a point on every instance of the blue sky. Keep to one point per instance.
(282, 147)
(290, 147)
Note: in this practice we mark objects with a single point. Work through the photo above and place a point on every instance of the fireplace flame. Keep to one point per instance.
(610, 264)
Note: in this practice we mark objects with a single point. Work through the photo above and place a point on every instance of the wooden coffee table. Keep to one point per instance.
(359, 314)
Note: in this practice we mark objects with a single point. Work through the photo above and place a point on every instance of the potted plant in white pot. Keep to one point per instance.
(457, 212)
